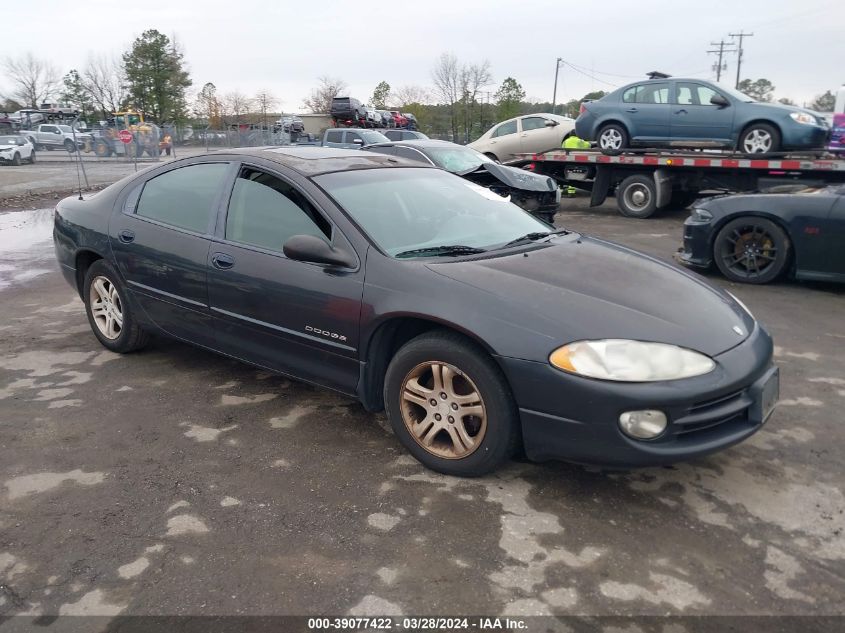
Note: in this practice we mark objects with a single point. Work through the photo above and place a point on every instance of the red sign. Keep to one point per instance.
(125, 136)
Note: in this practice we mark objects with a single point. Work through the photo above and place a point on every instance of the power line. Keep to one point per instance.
(720, 51)
(740, 35)
(593, 77)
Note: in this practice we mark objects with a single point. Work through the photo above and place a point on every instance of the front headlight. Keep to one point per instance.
(701, 215)
(803, 117)
(630, 361)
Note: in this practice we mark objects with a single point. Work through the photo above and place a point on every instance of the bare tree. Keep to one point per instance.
(473, 78)
(236, 105)
(407, 95)
(446, 76)
(208, 106)
(103, 80)
(321, 97)
(265, 101)
(33, 80)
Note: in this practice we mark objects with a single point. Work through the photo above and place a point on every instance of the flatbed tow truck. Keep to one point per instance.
(648, 180)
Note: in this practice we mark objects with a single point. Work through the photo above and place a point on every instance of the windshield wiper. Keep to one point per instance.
(531, 237)
(451, 249)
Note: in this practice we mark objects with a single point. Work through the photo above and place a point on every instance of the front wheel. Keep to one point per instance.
(751, 250)
(16, 160)
(759, 138)
(636, 197)
(69, 146)
(108, 311)
(450, 405)
(612, 139)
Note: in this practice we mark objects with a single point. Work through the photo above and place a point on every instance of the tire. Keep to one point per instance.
(612, 139)
(102, 281)
(751, 250)
(16, 160)
(451, 445)
(636, 197)
(69, 146)
(759, 139)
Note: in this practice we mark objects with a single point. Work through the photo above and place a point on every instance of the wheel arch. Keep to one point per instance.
(613, 121)
(83, 259)
(386, 339)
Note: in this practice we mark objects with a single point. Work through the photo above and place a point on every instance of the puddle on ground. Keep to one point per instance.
(26, 246)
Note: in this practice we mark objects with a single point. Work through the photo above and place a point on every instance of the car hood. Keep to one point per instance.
(519, 178)
(579, 288)
(5, 146)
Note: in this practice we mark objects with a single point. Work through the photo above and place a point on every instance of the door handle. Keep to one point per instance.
(631, 110)
(222, 261)
(681, 111)
(126, 236)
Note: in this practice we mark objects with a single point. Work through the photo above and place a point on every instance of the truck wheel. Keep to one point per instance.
(101, 149)
(450, 405)
(759, 138)
(16, 161)
(636, 197)
(69, 146)
(612, 139)
(751, 250)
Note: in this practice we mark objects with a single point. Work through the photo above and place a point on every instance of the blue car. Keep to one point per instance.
(692, 113)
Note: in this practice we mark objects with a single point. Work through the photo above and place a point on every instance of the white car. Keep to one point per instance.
(532, 133)
(16, 149)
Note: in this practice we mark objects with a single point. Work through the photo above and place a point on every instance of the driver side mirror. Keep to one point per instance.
(719, 100)
(57, 132)
(550, 123)
(308, 248)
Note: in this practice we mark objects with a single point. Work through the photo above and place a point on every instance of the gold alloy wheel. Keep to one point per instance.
(443, 410)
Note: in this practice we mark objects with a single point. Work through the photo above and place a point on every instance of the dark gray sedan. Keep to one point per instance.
(477, 328)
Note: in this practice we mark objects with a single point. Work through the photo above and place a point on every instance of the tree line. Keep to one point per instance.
(461, 103)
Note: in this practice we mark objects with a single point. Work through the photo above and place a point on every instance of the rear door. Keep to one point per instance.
(297, 318)
(505, 140)
(160, 240)
(695, 119)
(647, 112)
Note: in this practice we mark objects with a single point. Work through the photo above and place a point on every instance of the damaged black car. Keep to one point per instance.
(535, 193)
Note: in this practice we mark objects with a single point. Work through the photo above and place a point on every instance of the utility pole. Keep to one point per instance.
(554, 94)
(740, 35)
(721, 51)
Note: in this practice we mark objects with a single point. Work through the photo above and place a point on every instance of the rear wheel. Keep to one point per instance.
(612, 139)
(759, 138)
(751, 250)
(109, 313)
(450, 405)
(636, 197)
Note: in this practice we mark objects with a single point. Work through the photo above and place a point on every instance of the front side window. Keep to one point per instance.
(411, 208)
(695, 94)
(352, 136)
(49, 128)
(533, 123)
(265, 211)
(504, 129)
(183, 197)
(335, 136)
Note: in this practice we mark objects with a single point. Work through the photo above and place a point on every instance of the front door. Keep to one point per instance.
(695, 119)
(294, 317)
(537, 136)
(160, 240)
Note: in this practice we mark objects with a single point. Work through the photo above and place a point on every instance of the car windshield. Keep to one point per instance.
(458, 160)
(8, 140)
(417, 208)
(65, 128)
(736, 94)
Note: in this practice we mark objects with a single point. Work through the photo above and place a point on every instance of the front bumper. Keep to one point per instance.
(696, 250)
(803, 136)
(575, 419)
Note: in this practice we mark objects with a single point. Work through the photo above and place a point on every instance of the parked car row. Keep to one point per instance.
(348, 111)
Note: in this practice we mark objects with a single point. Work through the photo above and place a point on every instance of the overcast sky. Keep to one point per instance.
(284, 46)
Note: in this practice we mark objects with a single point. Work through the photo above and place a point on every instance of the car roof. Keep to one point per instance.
(312, 160)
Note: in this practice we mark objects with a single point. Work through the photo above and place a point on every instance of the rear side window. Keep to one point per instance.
(265, 211)
(183, 197)
(504, 129)
(654, 93)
